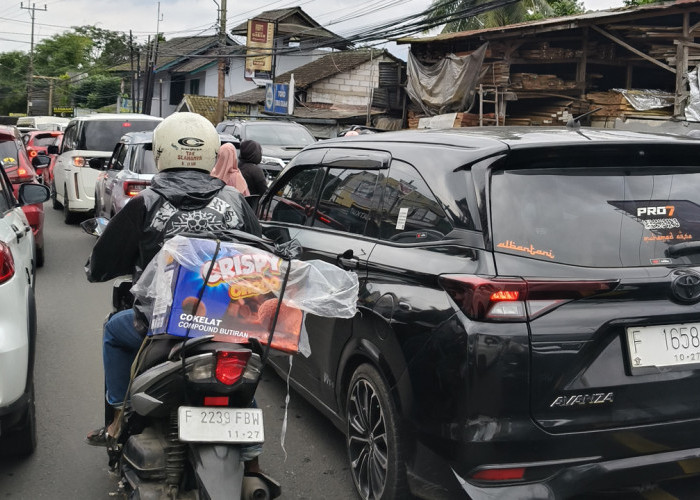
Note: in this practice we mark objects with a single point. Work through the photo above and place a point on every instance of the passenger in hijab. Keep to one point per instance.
(226, 169)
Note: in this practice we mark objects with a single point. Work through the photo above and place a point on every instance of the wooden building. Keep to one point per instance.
(542, 72)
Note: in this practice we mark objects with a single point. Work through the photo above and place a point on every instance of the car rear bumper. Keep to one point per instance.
(558, 468)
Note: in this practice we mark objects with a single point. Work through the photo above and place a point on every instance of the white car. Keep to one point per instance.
(87, 137)
(17, 318)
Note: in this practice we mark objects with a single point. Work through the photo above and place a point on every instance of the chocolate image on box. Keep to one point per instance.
(188, 305)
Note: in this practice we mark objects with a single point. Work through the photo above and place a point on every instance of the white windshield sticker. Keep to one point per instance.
(401, 221)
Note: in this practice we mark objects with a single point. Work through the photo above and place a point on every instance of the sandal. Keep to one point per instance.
(98, 437)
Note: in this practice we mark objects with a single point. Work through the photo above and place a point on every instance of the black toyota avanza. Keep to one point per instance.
(529, 309)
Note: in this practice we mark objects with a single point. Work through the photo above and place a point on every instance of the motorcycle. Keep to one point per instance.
(190, 413)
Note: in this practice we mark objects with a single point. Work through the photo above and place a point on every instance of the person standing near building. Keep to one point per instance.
(251, 155)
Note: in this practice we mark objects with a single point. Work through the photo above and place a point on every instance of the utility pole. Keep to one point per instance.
(222, 63)
(33, 10)
(51, 80)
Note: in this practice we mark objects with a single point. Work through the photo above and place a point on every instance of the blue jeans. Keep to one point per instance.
(120, 345)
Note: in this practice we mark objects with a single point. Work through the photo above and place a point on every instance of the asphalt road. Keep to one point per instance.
(69, 387)
(69, 382)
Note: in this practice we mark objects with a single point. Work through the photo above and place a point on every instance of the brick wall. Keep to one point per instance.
(351, 87)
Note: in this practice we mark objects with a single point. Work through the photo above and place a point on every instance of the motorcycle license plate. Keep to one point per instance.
(220, 425)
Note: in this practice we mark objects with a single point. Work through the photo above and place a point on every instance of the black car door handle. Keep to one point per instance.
(20, 233)
(347, 260)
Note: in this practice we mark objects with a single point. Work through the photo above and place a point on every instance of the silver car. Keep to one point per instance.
(128, 172)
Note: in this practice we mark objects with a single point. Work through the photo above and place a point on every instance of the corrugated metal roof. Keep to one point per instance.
(557, 23)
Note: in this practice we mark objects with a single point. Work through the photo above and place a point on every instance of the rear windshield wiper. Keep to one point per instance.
(685, 248)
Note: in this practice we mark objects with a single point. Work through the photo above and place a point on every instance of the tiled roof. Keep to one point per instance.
(308, 74)
(329, 65)
(175, 49)
(203, 105)
(294, 23)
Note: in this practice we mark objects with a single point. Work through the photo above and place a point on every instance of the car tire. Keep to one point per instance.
(68, 216)
(21, 440)
(54, 202)
(374, 440)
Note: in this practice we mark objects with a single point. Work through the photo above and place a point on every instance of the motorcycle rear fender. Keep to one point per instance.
(219, 469)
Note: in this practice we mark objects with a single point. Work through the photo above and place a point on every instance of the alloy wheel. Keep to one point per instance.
(367, 440)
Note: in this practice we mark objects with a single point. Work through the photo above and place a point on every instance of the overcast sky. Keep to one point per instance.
(193, 17)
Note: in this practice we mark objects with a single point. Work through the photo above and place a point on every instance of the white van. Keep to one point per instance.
(43, 122)
(86, 137)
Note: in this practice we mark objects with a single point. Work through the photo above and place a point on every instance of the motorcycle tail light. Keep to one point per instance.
(516, 299)
(132, 188)
(7, 263)
(32, 153)
(230, 366)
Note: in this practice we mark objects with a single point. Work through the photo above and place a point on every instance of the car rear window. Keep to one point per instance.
(145, 163)
(44, 140)
(104, 135)
(598, 217)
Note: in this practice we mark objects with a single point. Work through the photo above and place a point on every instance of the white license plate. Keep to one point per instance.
(664, 345)
(220, 425)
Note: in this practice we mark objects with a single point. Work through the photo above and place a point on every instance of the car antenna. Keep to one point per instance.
(575, 122)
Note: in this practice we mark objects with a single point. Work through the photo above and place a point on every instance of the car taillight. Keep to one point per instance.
(132, 188)
(499, 474)
(230, 366)
(21, 175)
(516, 299)
(79, 161)
(7, 263)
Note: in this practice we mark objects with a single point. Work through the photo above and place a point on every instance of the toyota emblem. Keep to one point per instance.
(686, 287)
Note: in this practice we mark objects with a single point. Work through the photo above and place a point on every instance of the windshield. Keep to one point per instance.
(601, 217)
(104, 135)
(279, 134)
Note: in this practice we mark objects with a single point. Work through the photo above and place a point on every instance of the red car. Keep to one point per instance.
(18, 167)
(37, 143)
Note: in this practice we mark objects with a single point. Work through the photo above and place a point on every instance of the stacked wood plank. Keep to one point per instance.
(613, 105)
(461, 119)
(497, 74)
(548, 112)
(535, 81)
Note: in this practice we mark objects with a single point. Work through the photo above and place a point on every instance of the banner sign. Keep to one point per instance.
(260, 42)
(277, 98)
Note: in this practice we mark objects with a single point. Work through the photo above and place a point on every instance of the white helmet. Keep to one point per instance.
(185, 140)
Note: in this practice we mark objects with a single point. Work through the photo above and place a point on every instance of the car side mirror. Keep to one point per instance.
(52, 150)
(31, 194)
(40, 161)
(97, 163)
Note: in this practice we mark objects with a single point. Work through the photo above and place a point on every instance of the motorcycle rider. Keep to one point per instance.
(182, 197)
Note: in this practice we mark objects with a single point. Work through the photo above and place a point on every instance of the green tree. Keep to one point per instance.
(61, 54)
(109, 48)
(524, 10)
(13, 82)
(97, 91)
